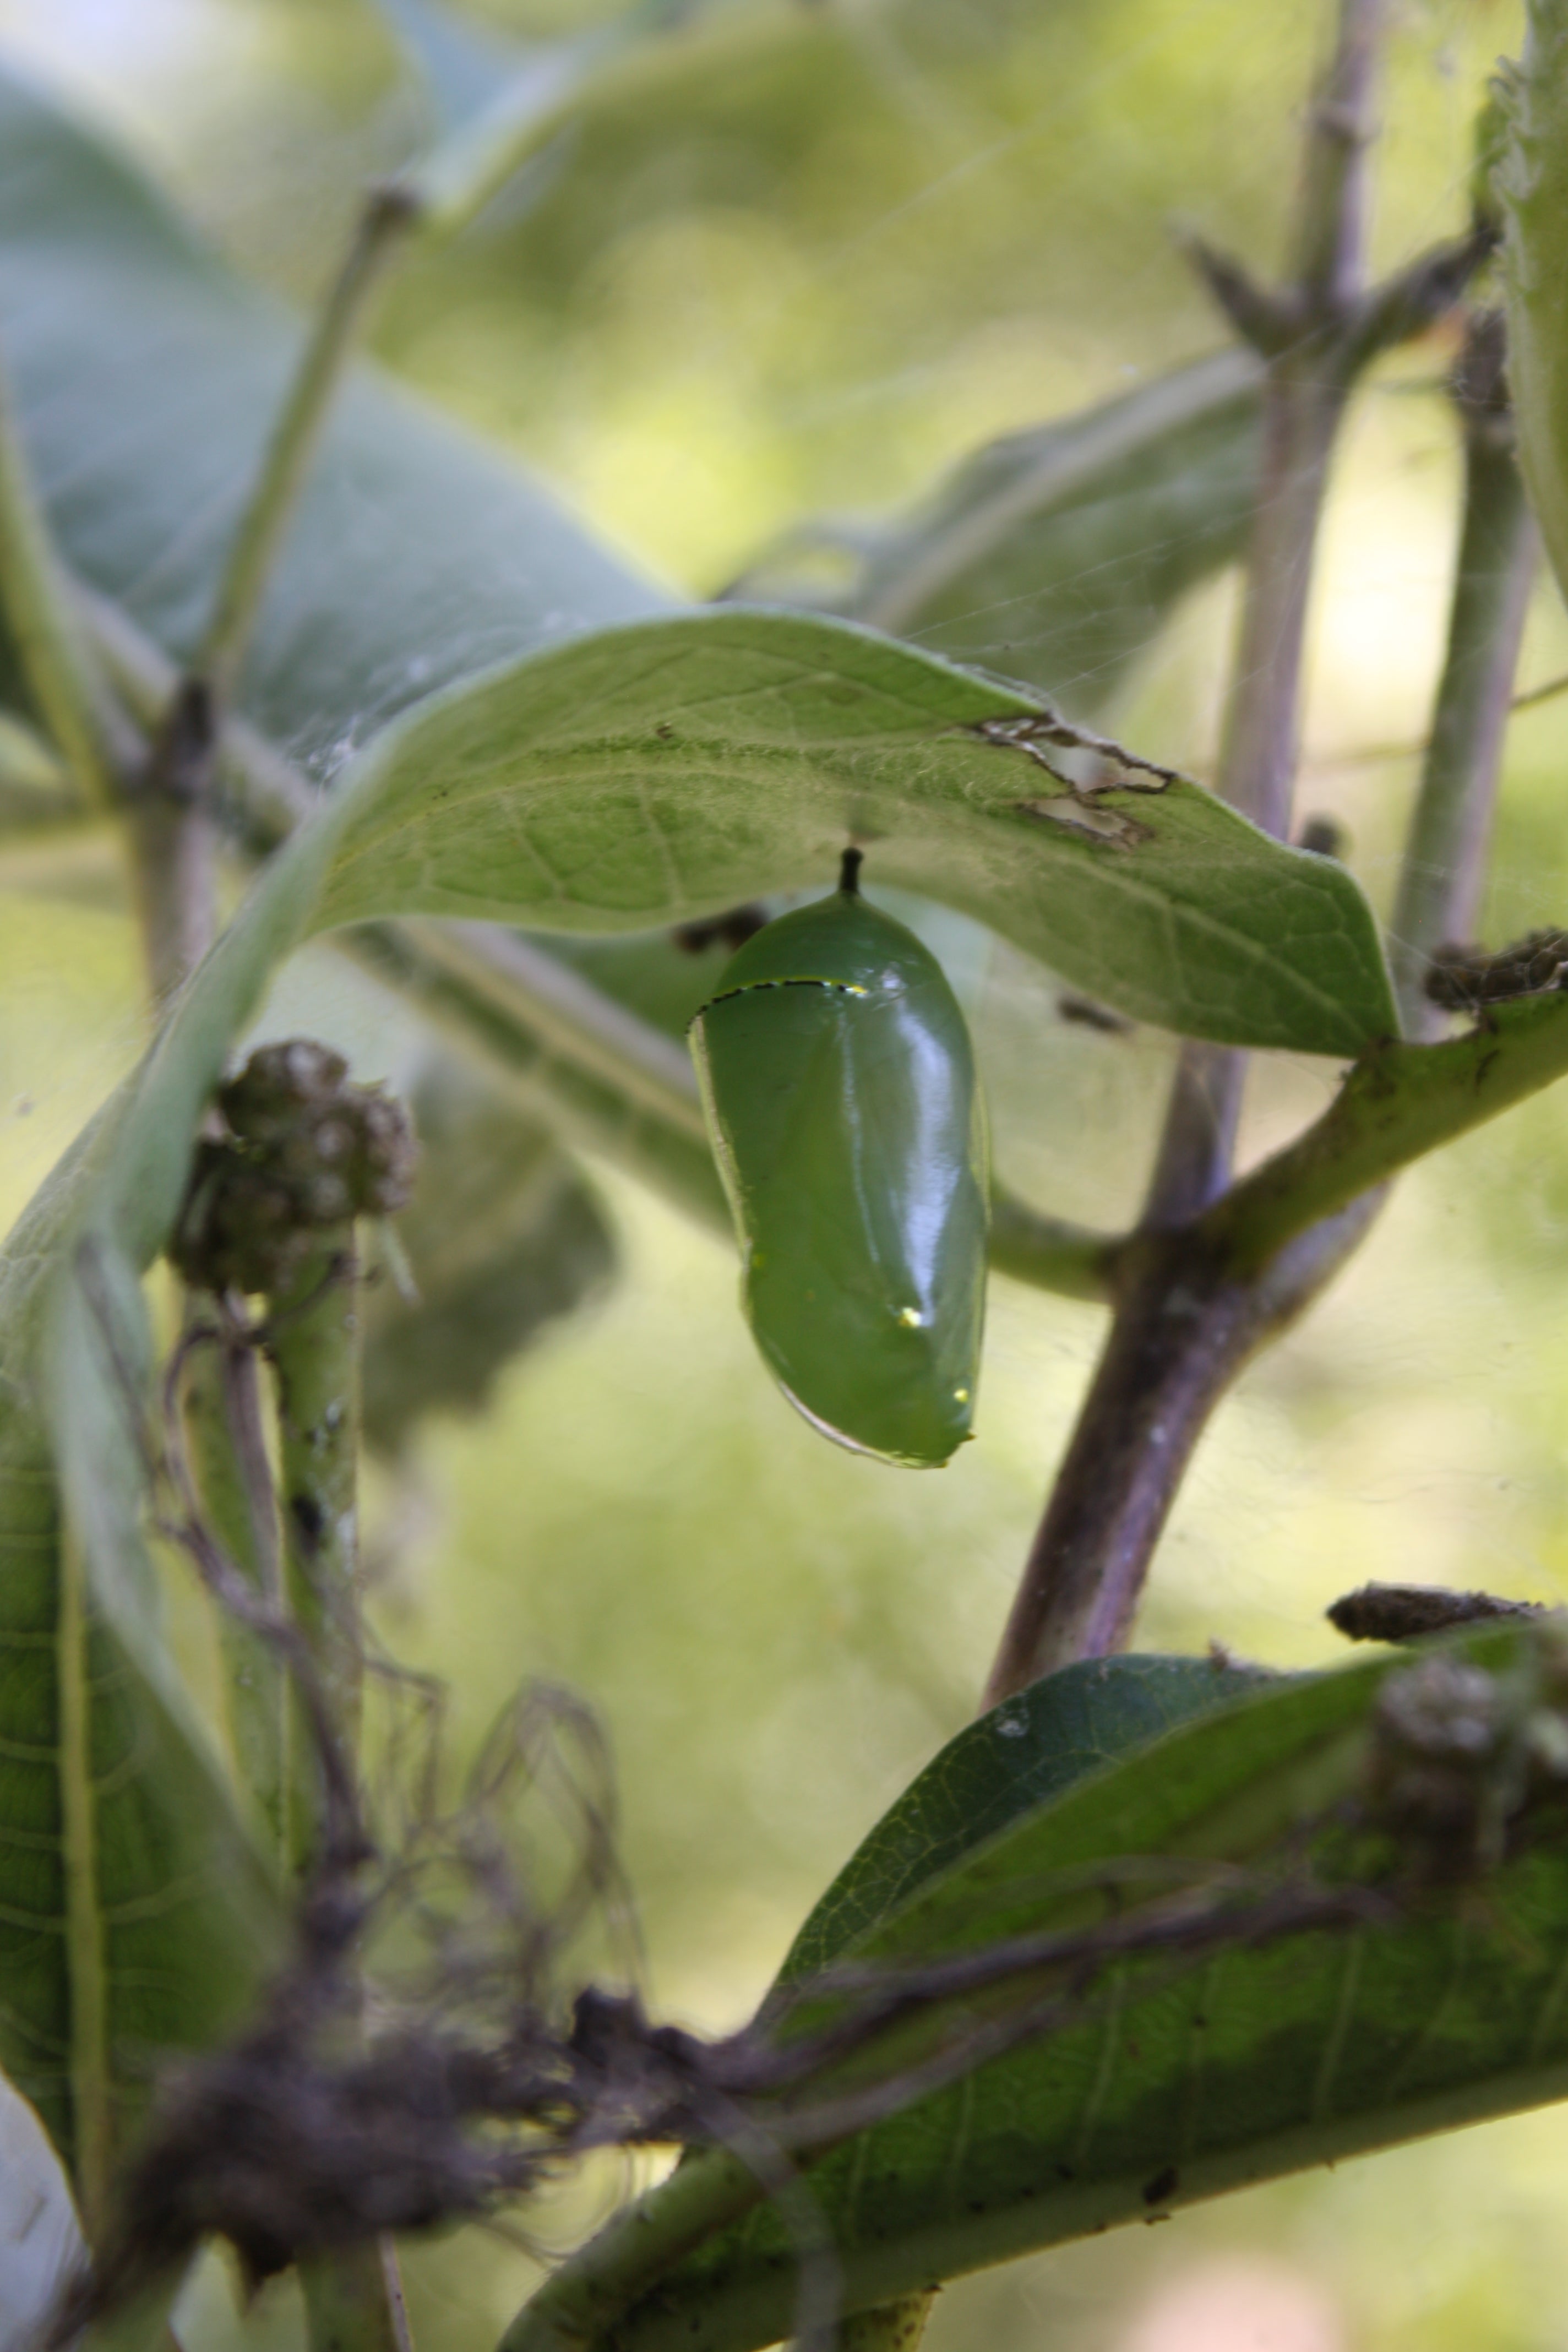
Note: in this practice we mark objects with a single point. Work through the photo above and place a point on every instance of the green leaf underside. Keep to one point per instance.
(1056, 557)
(134, 1913)
(664, 771)
(1179, 2081)
(147, 377)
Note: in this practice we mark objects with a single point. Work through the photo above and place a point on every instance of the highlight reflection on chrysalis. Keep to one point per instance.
(838, 1081)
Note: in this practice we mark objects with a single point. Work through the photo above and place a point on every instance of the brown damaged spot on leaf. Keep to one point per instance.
(1117, 768)
(1107, 826)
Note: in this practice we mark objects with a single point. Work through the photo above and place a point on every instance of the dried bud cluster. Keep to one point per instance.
(304, 1151)
(1464, 979)
(1459, 1754)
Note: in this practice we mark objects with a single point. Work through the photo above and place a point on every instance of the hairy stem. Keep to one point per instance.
(573, 2309)
(1188, 1323)
(1445, 854)
(173, 841)
(1398, 1103)
(890, 2328)
(388, 214)
(173, 838)
(1179, 1335)
(224, 1433)
(1330, 212)
(353, 2298)
(314, 1342)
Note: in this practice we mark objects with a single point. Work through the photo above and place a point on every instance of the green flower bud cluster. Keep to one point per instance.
(302, 1151)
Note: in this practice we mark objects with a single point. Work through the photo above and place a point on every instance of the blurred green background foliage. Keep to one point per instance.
(825, 248)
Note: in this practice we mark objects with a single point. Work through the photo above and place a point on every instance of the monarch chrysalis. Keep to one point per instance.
(838, 1082)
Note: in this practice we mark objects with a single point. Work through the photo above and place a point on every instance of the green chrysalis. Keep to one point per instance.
(838, 1082)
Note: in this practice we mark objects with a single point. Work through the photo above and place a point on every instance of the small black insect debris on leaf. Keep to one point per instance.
(1324, 836)
(1087, 1014)
(732, 929)
(1162, 2185)
(306, 1514)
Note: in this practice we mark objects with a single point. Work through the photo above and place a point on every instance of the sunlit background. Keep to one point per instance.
(833, 247)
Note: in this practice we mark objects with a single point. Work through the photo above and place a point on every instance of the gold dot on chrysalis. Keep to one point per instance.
(961, 1396)
(910, 1317)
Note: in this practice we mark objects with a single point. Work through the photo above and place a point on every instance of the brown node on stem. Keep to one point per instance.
(1463, 979)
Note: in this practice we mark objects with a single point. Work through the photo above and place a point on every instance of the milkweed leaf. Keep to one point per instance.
(1179, 2080)
(145, 466)
(666, 772)
(1013, 1759)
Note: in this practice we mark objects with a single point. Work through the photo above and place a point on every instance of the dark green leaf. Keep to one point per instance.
(1175, 2081)
(1017, 1757)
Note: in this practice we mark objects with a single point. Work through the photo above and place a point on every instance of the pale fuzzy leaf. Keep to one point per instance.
(147, 377)
(659, 774)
